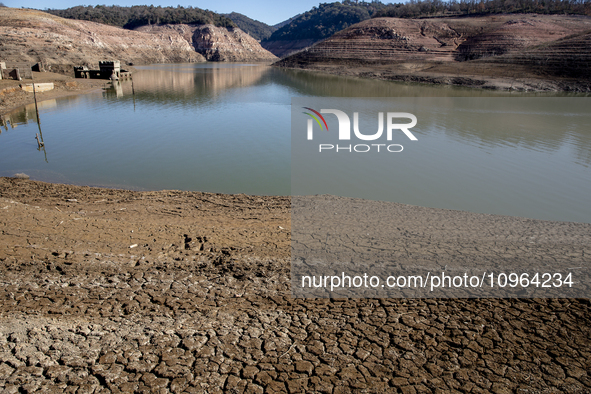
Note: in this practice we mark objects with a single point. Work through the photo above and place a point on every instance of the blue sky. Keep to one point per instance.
(268, 11)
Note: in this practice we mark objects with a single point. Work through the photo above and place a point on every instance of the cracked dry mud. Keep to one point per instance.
(201, 303)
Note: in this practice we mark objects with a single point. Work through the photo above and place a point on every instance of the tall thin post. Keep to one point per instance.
(133, 93)
(40, 142)
(36, 106)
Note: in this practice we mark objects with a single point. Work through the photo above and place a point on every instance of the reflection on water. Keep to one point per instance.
(175, 84)
(497, 155)
(551, 124)
(25, 114)
(226, 128)
(187, 81)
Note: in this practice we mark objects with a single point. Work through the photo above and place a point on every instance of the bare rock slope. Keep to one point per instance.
(32, 36)
(513, 46)
(216, 43)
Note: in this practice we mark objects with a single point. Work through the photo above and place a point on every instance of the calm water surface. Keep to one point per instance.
(226, 128)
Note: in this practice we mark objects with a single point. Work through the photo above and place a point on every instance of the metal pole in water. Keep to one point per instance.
(40, 142)
(133, 93)
(36, 106)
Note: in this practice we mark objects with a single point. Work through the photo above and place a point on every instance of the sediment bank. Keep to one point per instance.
(442, 75)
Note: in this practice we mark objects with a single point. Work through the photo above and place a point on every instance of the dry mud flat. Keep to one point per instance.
(201, 303)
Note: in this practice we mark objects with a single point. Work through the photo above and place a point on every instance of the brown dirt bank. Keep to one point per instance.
(107, 291)
(517, 51)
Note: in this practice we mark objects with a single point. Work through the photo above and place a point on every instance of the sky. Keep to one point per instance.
(270, 12)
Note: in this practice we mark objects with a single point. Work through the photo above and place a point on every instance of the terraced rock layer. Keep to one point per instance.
(109, 291)
(500, 46)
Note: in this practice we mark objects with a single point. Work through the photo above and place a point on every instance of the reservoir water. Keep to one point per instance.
(225, 128)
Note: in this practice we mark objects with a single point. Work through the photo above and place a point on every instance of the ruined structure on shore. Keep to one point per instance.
(107, 70)
(16, 71)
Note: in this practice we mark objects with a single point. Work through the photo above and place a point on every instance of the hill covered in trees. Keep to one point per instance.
(141, 15)
(286, 22)
(325, 20)
(257, 30)
(436, 8)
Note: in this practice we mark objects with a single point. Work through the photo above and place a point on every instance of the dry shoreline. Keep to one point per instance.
(526, 83)
(109, 290)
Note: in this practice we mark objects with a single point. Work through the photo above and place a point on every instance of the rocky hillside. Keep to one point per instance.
(32, 36)
(492, 46)
(216, 43)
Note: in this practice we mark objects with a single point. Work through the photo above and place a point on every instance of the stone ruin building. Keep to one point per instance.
(107, 70)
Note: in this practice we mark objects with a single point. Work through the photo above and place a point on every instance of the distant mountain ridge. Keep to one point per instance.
(317, 24)
(286, 22)
(257, 30)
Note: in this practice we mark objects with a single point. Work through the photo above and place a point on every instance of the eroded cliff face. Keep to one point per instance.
(32, 36)
(232, 45)
(498, 45)
(216, 43)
